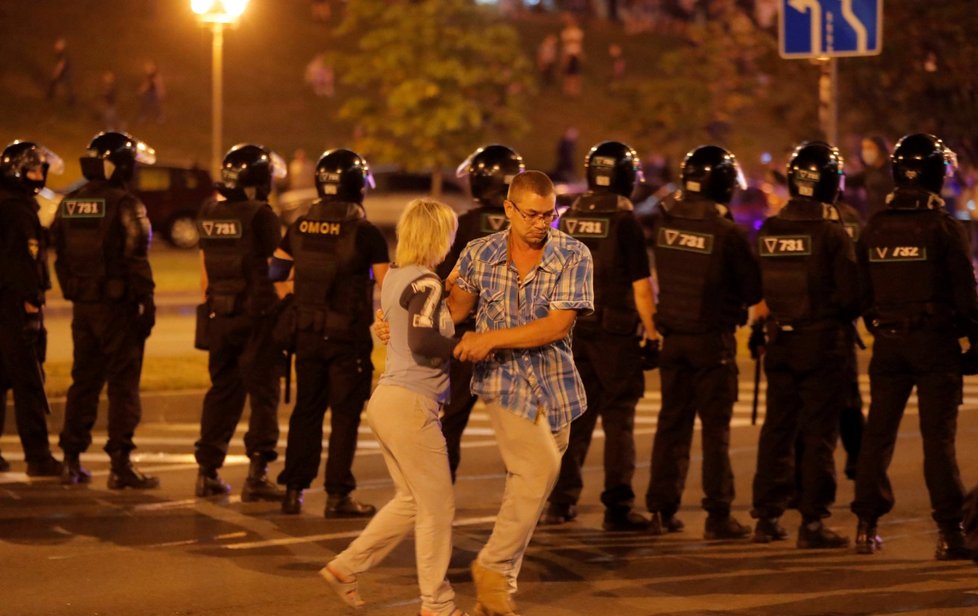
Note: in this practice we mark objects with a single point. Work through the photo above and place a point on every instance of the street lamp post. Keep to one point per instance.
(218, 14)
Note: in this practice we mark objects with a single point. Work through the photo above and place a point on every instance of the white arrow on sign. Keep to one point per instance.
(814, 19)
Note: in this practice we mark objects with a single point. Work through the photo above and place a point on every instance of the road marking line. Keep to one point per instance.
(251, 545)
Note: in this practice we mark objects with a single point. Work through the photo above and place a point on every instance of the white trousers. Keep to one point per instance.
(409, 431)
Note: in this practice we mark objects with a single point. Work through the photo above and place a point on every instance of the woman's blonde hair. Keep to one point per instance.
(425, 233)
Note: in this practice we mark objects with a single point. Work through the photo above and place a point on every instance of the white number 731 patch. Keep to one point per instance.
(785, 245)
(677, 239)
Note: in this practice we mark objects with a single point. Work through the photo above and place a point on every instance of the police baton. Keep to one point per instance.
(40, 379)
(757, 389)
(288, 377)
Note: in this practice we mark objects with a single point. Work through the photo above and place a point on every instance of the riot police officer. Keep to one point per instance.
(808, 268)
(919, 297)
(708, 277)
(607, 350)
(238, 235)
(24, 167)
(337, 257)
(851, 419)
(101, 236)
(489, 169)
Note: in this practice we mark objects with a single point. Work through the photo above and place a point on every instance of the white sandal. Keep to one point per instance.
(347, 591)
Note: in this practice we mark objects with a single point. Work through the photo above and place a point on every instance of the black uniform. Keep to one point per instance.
(810, 285)
(333, 248)
(708, 277)
(477, 222)
(23, 279)
(238, 238)
(919, 298)
(606, 349)
(101, 235)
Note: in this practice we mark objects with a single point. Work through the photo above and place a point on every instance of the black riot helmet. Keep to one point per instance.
(113, 156)
(247, 172)
(24, 166)
(921, 160)
(713, 172)
(815, 171)
(343, 175)
(612, 166)
(490, 170)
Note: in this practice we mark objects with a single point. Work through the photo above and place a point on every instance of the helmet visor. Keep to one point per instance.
(463, 169)
(55, 163)
(144, 153)
(279, 167)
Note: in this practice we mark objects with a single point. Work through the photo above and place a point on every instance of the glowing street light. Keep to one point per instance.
(217, 14)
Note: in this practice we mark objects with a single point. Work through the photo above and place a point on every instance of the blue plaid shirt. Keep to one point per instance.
(526, 380)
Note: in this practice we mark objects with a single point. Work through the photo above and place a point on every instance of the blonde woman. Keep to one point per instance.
(403, 413)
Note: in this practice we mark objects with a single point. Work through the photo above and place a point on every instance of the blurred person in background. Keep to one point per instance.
(876, 178)
(62, 73)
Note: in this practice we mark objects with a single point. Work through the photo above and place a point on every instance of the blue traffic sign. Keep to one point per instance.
(831, 28)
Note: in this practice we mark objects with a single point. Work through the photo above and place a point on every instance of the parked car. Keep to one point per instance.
(385, 202)
(173, 195)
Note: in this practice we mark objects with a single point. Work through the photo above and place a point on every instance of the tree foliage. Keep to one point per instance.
(430, 81)
(926, 79)
(724, 83)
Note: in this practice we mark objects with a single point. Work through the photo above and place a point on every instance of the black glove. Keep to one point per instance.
(650, 354)
(969, 360)
(757, 341)
(145, 316)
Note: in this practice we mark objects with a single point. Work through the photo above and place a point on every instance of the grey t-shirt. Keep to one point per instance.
(421, 373)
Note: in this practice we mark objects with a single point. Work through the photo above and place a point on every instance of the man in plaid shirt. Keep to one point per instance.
(529, 282)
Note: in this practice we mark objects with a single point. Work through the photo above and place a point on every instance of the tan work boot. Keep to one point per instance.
(491, 592)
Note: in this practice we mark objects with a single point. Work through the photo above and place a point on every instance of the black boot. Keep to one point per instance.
(624, 520)
(724, 527)
(951, 544)
(257, 487)
(767, 530)
(4, 465)
(72, 471)
(124, 475)
(347, 507)
(661, 524)
(292, 503)
(209, 483)
(45, 467)
(867, 541)
(558, 513)
(814, 536)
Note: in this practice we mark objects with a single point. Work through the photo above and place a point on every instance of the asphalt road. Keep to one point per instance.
(88, 551)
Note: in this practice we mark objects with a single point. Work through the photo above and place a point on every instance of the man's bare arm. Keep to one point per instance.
(551, 328)
(460, 303)
(645, 304)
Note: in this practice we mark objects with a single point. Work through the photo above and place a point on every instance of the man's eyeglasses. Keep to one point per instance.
(535, 217)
